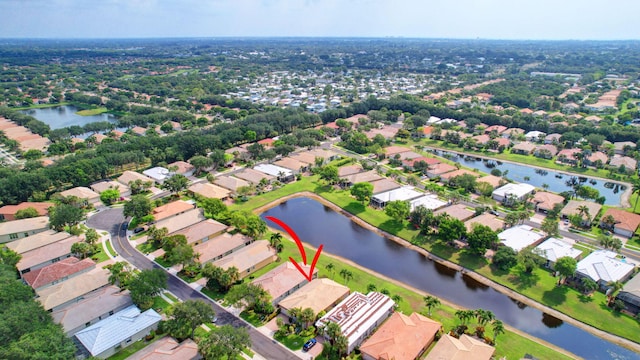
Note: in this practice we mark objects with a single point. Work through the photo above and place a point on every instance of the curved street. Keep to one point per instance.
(113, 220)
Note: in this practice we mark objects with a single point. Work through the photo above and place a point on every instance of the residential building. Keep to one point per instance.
(367, 176)
(40, 239)
(8, 212)
(534, 136)
(318, 295)
(456, 211)
(347, 170)
(92, 308)
(45, 255)
(208, 190)
(57, 272)
(171, 209)
(573, 206)
(383, 185)
(158, 174)
(546, 151)
(464, 348)
(626, 223)
(519, 237)
(546, 201)
(499, 129)
(401, 337)
(494, 181)
(597, 158)
(19, 229)
(553, 249)
(410, 164)
(283, 280)
(101, 186)
(88, 196)
(168, 348)
(250, 258)
(604, 267)
(513, 133)
(221, 246)
(118, 331)
(292, 164)
(486, 219)
(202, 231)
(619, 146)
(512, 192)
(630, 296)
(253, 176)
(431, 202)
(282, 174)
(569, 156)
(358, 316)
(439, 169)
(628, 164)
(446, 177)
(239, 153)
(70, 291)
(523, 148)
(231, 183)
(404, 193)
(552, 138)
(128, 177)
(391, 151)
(327, 155)
(408, 155)
(182, 168)
(179, 222)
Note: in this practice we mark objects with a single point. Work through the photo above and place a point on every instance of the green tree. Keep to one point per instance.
(498, 329)
(9, 257)
(481, 238)
(550, 226)
(145, 285)
(109, 196)
(224, 342)
(187, 316)
(249, 294)
(329, 174)
(505, 258)
(200, 163)
(81, 249)
(333, 331)
(65, 215)
(176, 183)
(138, 186)
(306, 317)
(183, 254)
(138, 207)
(529, 258)
(587, 285)
(451, 229)
(346, 275)
(214, 207)
(27, 213)
(362, 191)
(431, 302)
(219, 278)
(566, 266)
(465, 181)
(255, 226)
(330, 268)
(91, 236)
(398, 210)
(275, 241)
(120, 273)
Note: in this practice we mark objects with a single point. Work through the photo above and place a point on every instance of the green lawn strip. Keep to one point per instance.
(110, 248)
(41, 106)
(293, 341)
(252, 318)
(133, 348)
(212, 294)
(162, 262)
(170, 296)
(160, 305)
(100, 256)
(146, 247)
(248, 352)
(90, 112)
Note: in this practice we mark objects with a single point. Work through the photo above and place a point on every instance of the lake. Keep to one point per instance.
(318, 224)
(65, 116)
(555, 180)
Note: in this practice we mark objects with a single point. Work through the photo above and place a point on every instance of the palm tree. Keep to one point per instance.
(636, 190)
(608, 221)
(333, 331)
(431, 302)
(614, 287)
(583, 210)
(330, 267)
(588, 285)
(275, 241)
(396, 298)
(307, 316)
(498, 328)
(484, 316)
(464, 315)
(346, 275)
(341, 345)
(371, 288)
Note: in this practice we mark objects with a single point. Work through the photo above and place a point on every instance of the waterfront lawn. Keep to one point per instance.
(90, 112)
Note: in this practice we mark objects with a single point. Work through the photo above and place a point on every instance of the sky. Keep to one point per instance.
(469, 19)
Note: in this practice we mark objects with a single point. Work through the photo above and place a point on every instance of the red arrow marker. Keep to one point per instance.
(295, 237)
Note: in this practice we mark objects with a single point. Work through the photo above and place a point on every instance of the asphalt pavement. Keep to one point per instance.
(113, 220)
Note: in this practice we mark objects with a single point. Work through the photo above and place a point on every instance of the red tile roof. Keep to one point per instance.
(56, 271)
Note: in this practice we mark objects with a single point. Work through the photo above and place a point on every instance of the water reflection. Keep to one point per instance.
(444, 270)
(551, 321)
(473, 284)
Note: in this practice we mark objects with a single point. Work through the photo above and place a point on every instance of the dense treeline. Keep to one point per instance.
(523, 92)
(36, 126)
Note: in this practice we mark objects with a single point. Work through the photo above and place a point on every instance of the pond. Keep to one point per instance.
(555, 180)
(318, 224)
(65, 116)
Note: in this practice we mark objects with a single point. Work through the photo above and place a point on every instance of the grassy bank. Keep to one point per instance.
(90, 112)
(40, 106)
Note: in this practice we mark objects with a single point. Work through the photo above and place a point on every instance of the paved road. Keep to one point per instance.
(112, 220)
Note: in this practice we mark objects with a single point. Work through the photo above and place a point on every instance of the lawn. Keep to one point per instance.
(170, 296)
(40, 106)
(160, 305)
(293, 341)
(90, 112)
(100, 256)
(132, 349)
(252, 318)
(110, 248)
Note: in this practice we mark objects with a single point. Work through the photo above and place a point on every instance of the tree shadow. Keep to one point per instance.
(472, 261)
(524, 280)
(555, 296)
(498, 272)
(443, 249)
(392, 226)
(585, 298)
(355, 207)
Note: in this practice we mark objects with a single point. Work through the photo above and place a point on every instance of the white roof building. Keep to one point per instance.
(517, 190)
(603, 266)
(403, 193)
(273, 170)
(431, 202)
(103, 337)
(553, 249)
(534, 135)
(158, 174)
(358, 315)
(519, 237)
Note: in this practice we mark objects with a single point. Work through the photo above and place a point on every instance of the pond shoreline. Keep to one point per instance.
(481, 279)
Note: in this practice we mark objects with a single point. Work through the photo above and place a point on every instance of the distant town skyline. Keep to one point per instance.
(469, 19)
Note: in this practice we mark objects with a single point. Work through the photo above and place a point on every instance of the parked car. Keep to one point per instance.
(309, 344)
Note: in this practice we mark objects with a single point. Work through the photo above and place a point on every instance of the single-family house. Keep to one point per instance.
(40, 239)
(182, 168)
(534, 136)
(620, 146)
(512, 192)
(284, 280)
(437, 170)
(71, 290)
(404, 193)
(45, 255)
(358, 316)
(306, 157)
(463, 348)
(391, 151)
(57, 272)
(546, 151)
(625, 163)
(231, 183)
(222, 245)
(519, 237)
(181, 221)
(208, 190)
(486, 219)
(101, 186)
(318, 295)
(626, 223)
(292, 164)
(597, 159)
(630, 295)
(604, 267)
(569, 156)
(349, 170)
(108, 336)
(282, 174)
(248, 259)
(253, 176)
(430, 201)
(171, 209)
(92, 308)
(367, 176)
(88, 196)
(407, 155)
(499, 129)
(383, 185)
(137, 130)
(202, 231)
(553, 249)
(456, 211)
(8, 212)
(168, 348)
(589, 210)
(128, 177)
(552, 139)
(19, 229)
(481, 139)
(446, 177)
(239, 153)
(494, 181)
(512, 133)
(401, 337)
(546, 201)
(523, 148)
(158, 174)
(326, 154)
(410, 164)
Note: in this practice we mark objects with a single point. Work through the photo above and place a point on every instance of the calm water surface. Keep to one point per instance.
(65, 116)
(317, 224)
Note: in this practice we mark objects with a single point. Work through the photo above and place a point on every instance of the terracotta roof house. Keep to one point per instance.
(230, 182)
(57, 272)
(209, 191)
(552, 138)
(349, 170)
(220, 246)
(171, 209)
(292, 164)
(268, 142)
(401, 337)
(481, 139)
(619, 146)
(486, 219)
(108, 336)
(202, 231)
(284, 280)
(595, 157)
(8, 212)
(319, 295)
(101, 186)
(168, 348)
(553, 249)
(305, 157)
(546, 151)
(497, 128)
(391, 151)
(410, 163)
(327, 155)
(465, 348)
(70, 291)
(512, 133)
(545, 201)
(368, 176)
(130, 176)
(140, 131)
(84, 193)
(523, 148)
(92, 308)
(626, 222)
(619, 161)
(248, 259)
(384, 184)
(456, 211)
(45, 255)
(492, 180)
(409, 155)
(604, 267)
(572, 208)
(450, 175)
(358, 316)
(568, 156)
(253, 176)
(38, 240)
(18, 229)
(183, 168)
(178, 222)
(439, 169)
